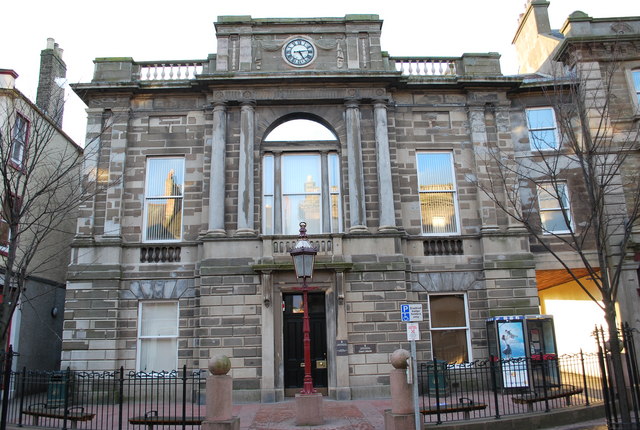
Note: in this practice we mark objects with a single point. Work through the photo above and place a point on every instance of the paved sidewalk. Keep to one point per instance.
(339, 415)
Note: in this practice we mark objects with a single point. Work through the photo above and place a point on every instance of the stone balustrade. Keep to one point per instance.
(283, 246)
(426, 66)
(160, 254)
(443, 246)
(170, 70)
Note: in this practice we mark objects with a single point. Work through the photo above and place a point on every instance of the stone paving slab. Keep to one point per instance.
(339, 415)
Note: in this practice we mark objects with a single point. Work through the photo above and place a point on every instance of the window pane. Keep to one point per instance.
(334, 191)
(435, 172)
(159, 319)
(450, 345)
(334, 173)
(17, 151)
(447, 311)
(543, 139)
(301, 208)
(553, 221)
(267, 175)
(438, 213)
(164, 219)
(299, 130)
(4, 235)
(267, 215)
(335, 213)
(547, 198)
(636, 83)
(540, 118)
(542, 128)
(301, 174)
(165, 177)
(158, 355)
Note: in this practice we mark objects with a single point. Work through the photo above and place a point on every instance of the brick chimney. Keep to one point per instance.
(53, 72)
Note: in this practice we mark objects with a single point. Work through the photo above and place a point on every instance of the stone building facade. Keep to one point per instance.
(603, 55)
(186, 255)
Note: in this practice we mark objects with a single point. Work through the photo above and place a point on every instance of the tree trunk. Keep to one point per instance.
(616, 362)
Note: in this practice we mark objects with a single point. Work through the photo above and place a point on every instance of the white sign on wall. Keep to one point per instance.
(413, 331)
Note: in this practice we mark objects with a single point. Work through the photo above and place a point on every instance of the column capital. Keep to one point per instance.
(352, 103)
(248, 104)
(380, 103)
(219, 105)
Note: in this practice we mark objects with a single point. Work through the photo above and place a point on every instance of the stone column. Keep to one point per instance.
(357, 212)
(482, 161)
(97, 120)
(246, 171)
(387, 222)
(117, 160)
(217, 173)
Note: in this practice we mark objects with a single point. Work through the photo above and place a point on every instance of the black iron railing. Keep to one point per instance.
(495, 388)
(105, 400)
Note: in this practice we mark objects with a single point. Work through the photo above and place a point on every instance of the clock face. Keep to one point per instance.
(299, 52)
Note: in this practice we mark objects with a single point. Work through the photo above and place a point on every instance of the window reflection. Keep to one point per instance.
(437, 192)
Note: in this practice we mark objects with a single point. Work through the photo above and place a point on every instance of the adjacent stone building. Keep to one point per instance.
(33, 147)
(186, 254)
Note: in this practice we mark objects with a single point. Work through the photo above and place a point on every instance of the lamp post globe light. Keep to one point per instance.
(303, 255)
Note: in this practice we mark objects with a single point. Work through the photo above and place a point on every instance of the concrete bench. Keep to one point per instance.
(530, 398)
(151, 419)
(74, 414)
(464, 405)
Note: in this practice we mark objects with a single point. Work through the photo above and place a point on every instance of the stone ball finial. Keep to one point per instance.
(219, 365)
(399, 358)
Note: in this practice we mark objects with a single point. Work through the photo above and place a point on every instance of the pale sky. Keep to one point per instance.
(177, 30)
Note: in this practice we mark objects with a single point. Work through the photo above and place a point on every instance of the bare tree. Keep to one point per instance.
(594, 154)
(40, 188)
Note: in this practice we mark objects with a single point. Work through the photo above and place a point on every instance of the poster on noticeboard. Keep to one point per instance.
(513, 354)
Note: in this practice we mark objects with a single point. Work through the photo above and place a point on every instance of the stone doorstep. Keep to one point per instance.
(549, 420)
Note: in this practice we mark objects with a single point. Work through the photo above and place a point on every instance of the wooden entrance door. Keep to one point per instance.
(293, 345)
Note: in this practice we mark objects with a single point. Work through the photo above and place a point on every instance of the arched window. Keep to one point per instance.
(301, 179)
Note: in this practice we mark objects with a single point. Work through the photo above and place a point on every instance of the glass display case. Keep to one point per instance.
(524, 347)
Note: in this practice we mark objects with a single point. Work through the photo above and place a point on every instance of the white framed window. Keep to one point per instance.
(449, 319)
(437, 192)
(164, 193)
(307, 187)
(19, 141)
(157, 336)
(543, 129)
(555, 213)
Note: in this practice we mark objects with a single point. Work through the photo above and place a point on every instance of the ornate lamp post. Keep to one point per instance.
(303, 255)
(308, 401)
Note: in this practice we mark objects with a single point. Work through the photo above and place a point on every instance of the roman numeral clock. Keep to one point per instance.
(299, 52)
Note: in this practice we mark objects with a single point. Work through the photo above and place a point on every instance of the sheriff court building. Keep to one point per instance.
(211, 164)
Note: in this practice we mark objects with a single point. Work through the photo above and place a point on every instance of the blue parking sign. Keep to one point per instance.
(405, 312)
